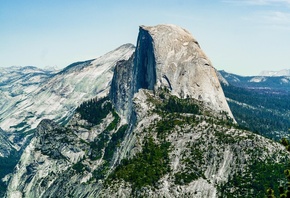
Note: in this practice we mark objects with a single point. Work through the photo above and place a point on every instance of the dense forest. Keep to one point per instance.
(266, 113)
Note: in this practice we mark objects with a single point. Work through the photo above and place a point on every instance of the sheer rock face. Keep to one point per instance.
(120, 91)
(167, 56)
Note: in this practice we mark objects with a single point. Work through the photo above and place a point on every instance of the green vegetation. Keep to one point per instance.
(164, 126)
(183, 178)
(115, 141)
(176, 105)
(79, 167)
(146, 168)
(193, 162)
(105, 144)
(110, 147)
(101, 171)
(98, 145)
(172, 110)
(266, 113)
(102, 140)
(259, 177)
(227, 138)
(172, 104)
(20, 125)
(114, 123)
(283, 190)
(95, 110)
(51, 146)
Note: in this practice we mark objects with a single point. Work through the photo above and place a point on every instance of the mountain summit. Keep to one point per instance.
(163, 130)
(168, 56)
(178, 63)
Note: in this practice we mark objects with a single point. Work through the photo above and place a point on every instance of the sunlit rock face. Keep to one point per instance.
(168, 56)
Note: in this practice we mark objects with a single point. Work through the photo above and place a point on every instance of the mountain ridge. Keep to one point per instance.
(77, 83)
(30, 94)
(262, 83)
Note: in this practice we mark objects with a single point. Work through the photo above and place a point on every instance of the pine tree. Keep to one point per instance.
(284, 191)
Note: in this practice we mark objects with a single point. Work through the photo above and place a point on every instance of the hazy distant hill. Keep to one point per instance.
(284, 72)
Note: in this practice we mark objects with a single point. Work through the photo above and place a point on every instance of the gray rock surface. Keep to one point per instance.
(168, 56)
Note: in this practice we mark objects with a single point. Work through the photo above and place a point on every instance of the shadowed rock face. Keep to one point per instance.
(145, 63)
(120, 91)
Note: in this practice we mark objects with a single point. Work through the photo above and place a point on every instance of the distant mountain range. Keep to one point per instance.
(267, 84)
(260, 103)
(284, 72)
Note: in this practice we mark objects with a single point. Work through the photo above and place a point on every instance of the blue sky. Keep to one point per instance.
(239, 36)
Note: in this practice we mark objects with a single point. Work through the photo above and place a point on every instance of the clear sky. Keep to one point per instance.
(239, 36)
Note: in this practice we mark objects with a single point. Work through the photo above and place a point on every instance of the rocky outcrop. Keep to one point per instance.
(206, 157)
(51, 152)
(167, 56)
(120, 91)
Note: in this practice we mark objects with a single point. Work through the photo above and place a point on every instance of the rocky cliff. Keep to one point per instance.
(164, 130)
(168, 56)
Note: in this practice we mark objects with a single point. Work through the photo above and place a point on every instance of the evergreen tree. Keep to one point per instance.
(284, 191)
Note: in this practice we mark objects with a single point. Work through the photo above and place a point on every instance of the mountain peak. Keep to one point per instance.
(173, 30)
(169, 56)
